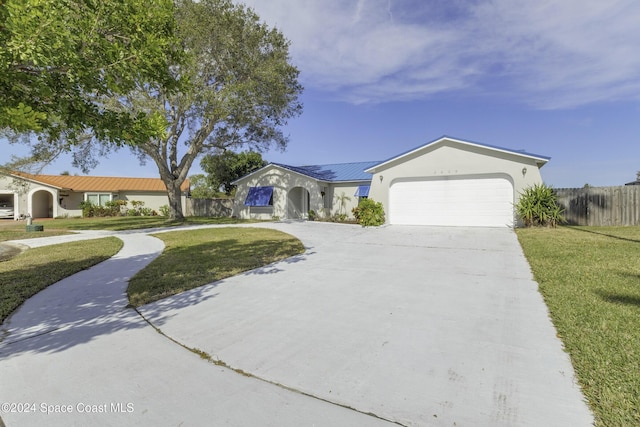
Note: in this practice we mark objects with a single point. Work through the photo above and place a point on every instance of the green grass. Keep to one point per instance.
(33, 270)
(590, 280)
(15, 230)
(198, 257)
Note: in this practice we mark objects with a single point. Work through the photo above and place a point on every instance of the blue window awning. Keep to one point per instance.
(259, 196)
(362, 191)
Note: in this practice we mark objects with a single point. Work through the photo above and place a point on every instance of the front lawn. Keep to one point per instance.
(191, 257)
(16, 229)
(590, 280)
(198, 257)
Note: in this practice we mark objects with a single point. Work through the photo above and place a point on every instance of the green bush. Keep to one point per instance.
(312, 215)
(538, 207)
(115, 207)
(164, 210)
(111, 208)
(87, 208)
(369, 213)
(138, 209)
(147, 212)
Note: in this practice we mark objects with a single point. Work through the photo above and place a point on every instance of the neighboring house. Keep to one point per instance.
(50, 196)
(446, 182)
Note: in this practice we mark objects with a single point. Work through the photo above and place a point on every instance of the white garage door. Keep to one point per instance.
(486, 202)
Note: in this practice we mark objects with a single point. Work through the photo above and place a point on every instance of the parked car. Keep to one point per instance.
(6, 210)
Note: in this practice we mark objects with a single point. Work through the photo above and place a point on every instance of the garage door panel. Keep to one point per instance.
(452, 202)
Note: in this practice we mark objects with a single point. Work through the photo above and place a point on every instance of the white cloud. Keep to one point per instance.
(547, 53)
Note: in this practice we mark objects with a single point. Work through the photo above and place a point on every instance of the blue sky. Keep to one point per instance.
(558, 78)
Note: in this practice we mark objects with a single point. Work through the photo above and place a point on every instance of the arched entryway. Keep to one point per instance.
(298, 203)
(42, 204)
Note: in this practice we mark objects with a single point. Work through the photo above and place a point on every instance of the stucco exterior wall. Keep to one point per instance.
(334, 197)
(152, 201)
(282, 182)
(70, 204)
(451, 159)
(29, 198)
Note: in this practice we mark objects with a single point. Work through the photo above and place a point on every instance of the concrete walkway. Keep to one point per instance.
(410, 326)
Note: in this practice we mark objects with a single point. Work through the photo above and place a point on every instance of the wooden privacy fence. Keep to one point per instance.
(209, 207)
(601, 205)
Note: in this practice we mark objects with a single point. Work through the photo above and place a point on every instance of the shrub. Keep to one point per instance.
(138, 209)
(538, 207)
(111, 208)
(164, 210)
(147, 212)
(369, 213)
(87, 208)
(312, 215)
(115, 207)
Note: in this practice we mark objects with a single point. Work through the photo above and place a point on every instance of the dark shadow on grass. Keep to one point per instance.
(626, 239)
(616, 298)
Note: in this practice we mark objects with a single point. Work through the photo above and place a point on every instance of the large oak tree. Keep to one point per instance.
(231, 87)
(238, 90)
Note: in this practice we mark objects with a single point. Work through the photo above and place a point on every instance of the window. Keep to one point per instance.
(362, 191)
(98, 199)
(259, 196)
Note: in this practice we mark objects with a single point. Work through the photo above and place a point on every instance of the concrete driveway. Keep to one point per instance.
(413, 326)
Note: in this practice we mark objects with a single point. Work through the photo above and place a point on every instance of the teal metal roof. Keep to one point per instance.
(339, 172)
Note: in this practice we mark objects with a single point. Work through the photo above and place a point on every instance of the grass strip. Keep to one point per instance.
(19, 232)
(198, 257)
(52, 227)
(33, 270)
(590, 280)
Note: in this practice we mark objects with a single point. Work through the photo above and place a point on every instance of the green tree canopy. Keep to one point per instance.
(235, 89)
(241, 90)
(201, 189)
(59, 59)
(222, 169)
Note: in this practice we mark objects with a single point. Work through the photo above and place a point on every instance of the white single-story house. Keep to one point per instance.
(51, 196)
(284, 191)
(448, 182)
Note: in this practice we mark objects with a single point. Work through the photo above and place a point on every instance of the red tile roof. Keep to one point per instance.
(102, 183)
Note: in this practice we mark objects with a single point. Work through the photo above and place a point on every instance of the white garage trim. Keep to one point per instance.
(449, 201)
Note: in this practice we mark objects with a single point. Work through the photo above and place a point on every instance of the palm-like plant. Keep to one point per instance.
(538, 206)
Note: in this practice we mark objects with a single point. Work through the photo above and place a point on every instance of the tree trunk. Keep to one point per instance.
(175, 199)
